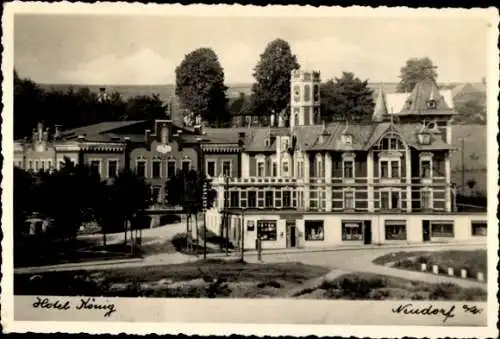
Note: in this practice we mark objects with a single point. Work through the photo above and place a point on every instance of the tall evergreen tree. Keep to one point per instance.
(346, 97)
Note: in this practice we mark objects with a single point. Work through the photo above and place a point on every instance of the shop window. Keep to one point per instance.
(395, 230)
(266, 230)
(352, 230)
(171, 168)
(442, 229)
(140, 168)
(226, 168)
(479, 228)
(112, 168)
(314, 229)
(156, 169)
(211, 170)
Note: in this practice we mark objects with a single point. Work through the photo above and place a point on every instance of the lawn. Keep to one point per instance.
(472, 261)
(359, 286)
(213, 278)
(234, 279)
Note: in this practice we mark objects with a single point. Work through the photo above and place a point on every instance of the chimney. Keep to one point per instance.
(40, 131)
(164, 134)
(241, 139)
(46, 135)
(57, 132)
(146, 135)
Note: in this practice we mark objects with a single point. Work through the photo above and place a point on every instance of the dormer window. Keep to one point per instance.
(431, 104)
(268, 142)
(347, 139)
(424, 138)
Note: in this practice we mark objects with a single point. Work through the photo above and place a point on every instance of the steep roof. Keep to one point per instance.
(380, 106)
(417, 102)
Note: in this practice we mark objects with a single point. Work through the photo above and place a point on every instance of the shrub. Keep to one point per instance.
(405, 263)
(356, 286)
(379, 294)
(270, 283)
(444, 291)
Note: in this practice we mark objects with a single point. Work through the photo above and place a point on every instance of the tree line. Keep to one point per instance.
(201, 90)
(73, 108)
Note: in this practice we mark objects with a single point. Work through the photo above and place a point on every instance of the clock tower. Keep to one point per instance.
(305, 98)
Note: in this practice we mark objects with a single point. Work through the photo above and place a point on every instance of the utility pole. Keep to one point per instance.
(463, 165)
(243, 235)
(205, 192)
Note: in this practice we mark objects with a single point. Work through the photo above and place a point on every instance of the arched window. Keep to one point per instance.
(307, 93)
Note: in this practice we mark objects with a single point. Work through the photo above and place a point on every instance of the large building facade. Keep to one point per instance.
(301, 184)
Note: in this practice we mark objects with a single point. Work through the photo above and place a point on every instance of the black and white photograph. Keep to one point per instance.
(275, 165)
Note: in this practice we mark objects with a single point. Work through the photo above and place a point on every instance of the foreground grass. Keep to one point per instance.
(195, 279)
(472, 261)
(233, 279)
(358, 286)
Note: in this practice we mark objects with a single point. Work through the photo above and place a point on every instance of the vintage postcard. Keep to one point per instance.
(277, 170)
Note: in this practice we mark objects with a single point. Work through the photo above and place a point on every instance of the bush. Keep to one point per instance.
(406, 264)
(444, 291)
(270, 283)
(356, 287)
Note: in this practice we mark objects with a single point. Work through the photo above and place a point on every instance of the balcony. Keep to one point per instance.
(251, 181)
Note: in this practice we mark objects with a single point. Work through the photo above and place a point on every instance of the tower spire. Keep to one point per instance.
(380, 110)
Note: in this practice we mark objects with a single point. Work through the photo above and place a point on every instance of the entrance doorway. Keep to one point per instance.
(426, 230)
(367, 232)
(291, 240)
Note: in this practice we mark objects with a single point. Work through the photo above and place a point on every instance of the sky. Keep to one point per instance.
(138, 50)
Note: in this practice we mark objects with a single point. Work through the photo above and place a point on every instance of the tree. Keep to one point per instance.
(272, 73)
(143, 107)
(124, 200)
(23, 198)
(27, 101)
(470, 111)
(200, 86)
(416, 69)
(346, 97)
(185, 189)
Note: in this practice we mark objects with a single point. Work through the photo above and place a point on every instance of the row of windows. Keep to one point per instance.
(141, 167)
(290, 198)
(354, 230)
(211, 168)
